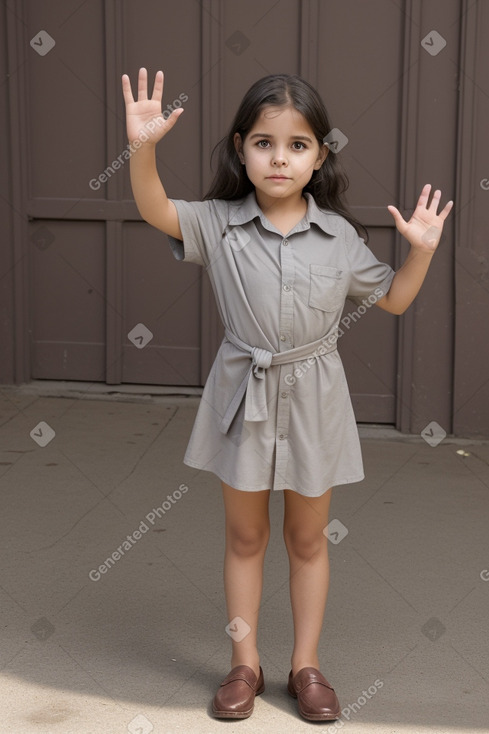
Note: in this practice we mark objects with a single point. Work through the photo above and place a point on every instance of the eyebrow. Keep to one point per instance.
(293, 137)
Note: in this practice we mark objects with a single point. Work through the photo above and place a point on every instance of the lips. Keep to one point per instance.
(281, 178)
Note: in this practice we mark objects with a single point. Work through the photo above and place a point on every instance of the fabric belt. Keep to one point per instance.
(254, 383)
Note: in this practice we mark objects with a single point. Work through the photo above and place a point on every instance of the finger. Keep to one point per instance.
(158, 87)
(398, 218)
(446, 210)
(435, 201)
(126, 89)
(424, 196)
(142, 84)
(173, 118)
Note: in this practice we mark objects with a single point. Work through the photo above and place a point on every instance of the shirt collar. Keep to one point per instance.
(246, 209)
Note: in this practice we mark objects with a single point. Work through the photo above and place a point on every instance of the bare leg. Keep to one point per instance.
(307, 547)
(247, 534)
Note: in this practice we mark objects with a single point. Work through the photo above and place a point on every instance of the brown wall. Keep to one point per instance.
(79, 269)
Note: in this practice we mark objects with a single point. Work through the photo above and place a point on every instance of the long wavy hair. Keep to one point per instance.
(327, 185)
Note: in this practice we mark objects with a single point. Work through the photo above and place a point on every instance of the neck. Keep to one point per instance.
(272, 205)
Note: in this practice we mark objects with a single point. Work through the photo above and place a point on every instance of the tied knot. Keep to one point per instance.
(261, 359)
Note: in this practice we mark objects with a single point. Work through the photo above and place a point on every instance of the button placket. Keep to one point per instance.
(287, 295)
(286, 339)
(281, 435)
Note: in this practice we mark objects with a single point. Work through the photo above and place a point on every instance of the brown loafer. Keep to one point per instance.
(235, 698)
(316, 699)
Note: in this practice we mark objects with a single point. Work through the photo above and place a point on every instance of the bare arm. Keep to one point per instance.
(145, 127)
(423, 232)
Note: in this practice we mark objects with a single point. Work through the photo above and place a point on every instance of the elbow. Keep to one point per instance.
(389, 305)
(397, 309)
(400, 309)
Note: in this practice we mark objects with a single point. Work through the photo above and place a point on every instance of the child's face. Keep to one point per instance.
(280, 152)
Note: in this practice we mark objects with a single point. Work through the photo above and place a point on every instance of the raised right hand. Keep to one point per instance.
(144, 119)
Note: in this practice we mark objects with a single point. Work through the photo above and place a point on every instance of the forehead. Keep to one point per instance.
(281, 120)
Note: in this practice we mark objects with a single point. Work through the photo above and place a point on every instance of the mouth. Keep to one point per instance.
(278, 178)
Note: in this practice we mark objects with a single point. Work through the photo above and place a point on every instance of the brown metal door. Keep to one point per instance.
(104, 298)
(108, 301)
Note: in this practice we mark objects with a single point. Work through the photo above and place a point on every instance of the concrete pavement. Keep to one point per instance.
(113, 611)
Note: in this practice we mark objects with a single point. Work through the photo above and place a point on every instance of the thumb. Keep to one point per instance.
(398, 218)
(171, 120)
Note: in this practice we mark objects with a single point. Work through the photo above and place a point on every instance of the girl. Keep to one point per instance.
(283, 254)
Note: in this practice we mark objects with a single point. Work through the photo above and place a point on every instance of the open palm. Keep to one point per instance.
(144, 119)
(425, 227)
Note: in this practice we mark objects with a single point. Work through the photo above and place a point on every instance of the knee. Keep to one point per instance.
(247, 541)
(304, 543)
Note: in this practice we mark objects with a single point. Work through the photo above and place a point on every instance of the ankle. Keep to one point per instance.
(252, 662)
(304, 662)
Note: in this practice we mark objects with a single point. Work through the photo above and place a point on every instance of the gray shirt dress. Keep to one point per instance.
(276, 412)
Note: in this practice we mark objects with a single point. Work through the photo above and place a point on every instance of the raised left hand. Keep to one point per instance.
(423, 231)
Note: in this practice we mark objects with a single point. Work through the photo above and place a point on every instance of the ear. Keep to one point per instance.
(238, 144)
(322, 155)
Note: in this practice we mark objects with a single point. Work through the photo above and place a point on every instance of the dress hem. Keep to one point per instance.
(243, 488)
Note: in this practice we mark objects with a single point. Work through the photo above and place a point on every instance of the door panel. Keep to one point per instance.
(67, 268)
(106, 272)
(165, 299)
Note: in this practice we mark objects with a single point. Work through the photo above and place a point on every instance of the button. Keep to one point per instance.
(286, 287)
(282, 436)
(284, 394)
(282, 337)
(285, 242)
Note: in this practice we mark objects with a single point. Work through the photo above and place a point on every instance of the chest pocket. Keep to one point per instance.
(325, 287)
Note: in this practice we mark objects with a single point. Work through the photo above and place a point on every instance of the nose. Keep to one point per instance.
(279, 159)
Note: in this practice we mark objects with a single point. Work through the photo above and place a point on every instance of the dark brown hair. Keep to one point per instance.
(327, 185)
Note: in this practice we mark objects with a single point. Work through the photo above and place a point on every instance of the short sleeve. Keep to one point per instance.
(201, 225)
(368, 276)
